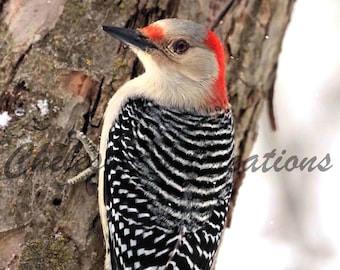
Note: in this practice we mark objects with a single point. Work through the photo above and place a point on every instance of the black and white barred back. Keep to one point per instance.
(167, 182)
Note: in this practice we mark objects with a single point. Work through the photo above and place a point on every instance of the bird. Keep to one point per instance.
(166, 149)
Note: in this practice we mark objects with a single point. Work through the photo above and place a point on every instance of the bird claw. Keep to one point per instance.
(91, 150)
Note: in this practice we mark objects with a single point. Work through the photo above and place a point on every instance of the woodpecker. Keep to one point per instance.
(165, 174)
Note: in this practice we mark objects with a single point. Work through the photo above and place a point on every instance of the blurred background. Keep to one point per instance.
(290, 220)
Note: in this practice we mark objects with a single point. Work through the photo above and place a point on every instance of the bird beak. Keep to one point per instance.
(130, 37)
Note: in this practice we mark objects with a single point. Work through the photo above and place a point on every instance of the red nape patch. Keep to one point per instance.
(220, 99)
(153, 32)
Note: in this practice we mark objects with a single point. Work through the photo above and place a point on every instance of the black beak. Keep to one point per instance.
(130, 37)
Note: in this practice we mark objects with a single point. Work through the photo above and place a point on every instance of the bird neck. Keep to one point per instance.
(176, 90)
(219, 97)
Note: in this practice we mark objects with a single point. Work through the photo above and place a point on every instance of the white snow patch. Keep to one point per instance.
(4, 119)
(43, 106)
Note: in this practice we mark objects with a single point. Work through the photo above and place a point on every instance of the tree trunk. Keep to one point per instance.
(58, 70)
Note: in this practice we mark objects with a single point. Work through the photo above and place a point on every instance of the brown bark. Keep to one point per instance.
(56, 51)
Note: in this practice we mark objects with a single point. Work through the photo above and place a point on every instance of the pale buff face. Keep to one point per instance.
(175, 76)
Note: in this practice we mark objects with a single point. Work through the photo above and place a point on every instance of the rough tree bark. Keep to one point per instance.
(54, 55)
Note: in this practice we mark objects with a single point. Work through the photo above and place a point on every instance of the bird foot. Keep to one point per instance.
(91, 150)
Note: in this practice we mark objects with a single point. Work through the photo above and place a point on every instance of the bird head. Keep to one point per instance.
(184, 63)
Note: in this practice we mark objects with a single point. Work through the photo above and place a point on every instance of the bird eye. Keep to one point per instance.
(180, 46)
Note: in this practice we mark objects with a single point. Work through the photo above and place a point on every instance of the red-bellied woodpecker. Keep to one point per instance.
(166, 151)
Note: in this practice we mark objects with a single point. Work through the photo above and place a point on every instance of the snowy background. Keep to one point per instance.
(291, 220)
